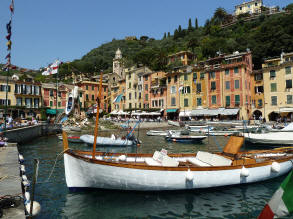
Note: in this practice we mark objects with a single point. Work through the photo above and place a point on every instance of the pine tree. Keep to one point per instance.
(179, 29)
(164, 36)
(176, 34)
(168, 34)
(196, 23)
(189, 25)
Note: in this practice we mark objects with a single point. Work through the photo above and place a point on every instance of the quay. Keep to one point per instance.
(10, 180)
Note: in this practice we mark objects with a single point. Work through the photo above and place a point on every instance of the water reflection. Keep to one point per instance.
(245, 201)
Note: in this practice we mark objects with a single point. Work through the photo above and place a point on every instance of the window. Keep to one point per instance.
(173, 89)
(87, 97)
(175, 78)
(129, 96)
(105, 89)
(146, 97)
(129, 85)
(237, 100)
(288, 84)
(289, 99)
(135, 95)
(198, 101)
(19, 101)
(187, 89)
(146, 87)
(227, 72)
(51, 103)
(214, 99)
(185, 102)
(51, 93)
(36, 102)
(86, 87)
(236, 83)
(173, 101)
(198, 88)
(185, 77)
(273, 87)
(288, 70)
(129, 76)
(258, 89)
(236, 70)
(59, 94)
(202, 75)
(93, 97)
(146, 78)
(258, 77)
(129, 105)
(274, 100)
(272, 74)
(80, 94)
(227, 85)
(255, 4)
(259, 103)
(59, 104)
(213, 85)
(228, 101)
(194, 75)
(169, 79)
(93, 87)
(212, 74)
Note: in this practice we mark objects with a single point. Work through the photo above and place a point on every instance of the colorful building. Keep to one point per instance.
(173, 94)
(183, 56)
(158, 90)
(278, 92)
(199, 87)
(251, 7)
(185, 91)
(257, 94)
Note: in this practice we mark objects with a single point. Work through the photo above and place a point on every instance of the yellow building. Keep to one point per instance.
(251, 7)
(278, 92)
(185, 91)
(199, 87)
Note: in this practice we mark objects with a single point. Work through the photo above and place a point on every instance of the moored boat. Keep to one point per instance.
(162, 171)
(107, 141)
(269, 138)
(73, 139)
(69, 104)
(200, 128)
(177, 137)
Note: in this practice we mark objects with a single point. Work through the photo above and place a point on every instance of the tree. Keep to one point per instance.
(220, 16)
(144, 38)
(179, 29)
(168, 34)
(176, 34)
(164, 36)
(192, 44)
(189, 25)
(196, 24)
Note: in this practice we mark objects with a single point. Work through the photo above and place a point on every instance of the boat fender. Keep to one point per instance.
(26, 183)
(226, 135)
(122, 157)
(189, 175)
(36, 208)
(275, 167)
(27, 198)
(24, 178)
(22, 168)
(21, 159)
(244, 172)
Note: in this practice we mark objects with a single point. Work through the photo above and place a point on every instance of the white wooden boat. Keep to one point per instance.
(159, 171)
(156, 133)
(104, 141)
(69, 104)
(200, 128)
(270, 138)
(174, 123)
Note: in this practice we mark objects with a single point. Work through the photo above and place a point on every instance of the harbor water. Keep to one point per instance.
(241, 201)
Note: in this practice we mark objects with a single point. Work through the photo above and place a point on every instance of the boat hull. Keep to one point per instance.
(273, 138)
(86, 173)
(104, 141)
(186, 139)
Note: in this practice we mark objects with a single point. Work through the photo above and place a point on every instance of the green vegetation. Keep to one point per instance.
(265, 36)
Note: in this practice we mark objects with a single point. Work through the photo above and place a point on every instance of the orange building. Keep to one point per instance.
(158, 91)
(146, 90)
(184, 56)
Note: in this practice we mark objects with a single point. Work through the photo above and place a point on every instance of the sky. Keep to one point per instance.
(46, 30)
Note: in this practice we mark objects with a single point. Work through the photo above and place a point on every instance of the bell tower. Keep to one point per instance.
(117, 65)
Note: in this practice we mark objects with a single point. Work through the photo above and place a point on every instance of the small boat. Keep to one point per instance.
(200, 128)
(69, 104)
(269, 138)
(72, 139)
(174, 123)
(164, 133)
(107, 141)
(177, 137)
(162, 171)
(220, 132)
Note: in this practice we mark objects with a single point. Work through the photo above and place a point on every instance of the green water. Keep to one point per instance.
(242, 201)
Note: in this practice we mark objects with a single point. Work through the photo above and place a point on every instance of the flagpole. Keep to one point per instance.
(6, 99)
(56, 95)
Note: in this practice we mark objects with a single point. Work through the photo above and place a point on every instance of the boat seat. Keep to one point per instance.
(233, 146)
(198, 162)
(211, 159)
(151, 162)
(161, 159)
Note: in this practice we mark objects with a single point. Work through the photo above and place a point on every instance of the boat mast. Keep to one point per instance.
(97, 116)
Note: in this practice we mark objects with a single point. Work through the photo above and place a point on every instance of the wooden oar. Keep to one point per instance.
(97, 116)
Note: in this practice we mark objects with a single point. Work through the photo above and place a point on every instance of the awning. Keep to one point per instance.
(114, 112)
(171, 110)
(185, 114)
(118, 98)
(155, 113)
(122, 113)
(286, 110)
(230, 112)
(197, 112)
(53, 111)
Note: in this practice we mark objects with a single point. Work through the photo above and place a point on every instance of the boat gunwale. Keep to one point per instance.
(77, 154)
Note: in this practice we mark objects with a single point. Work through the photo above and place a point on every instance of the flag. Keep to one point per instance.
(11, 7)
(9, 43)
(8, 56)
(8, 36)
(281, 204)
(47, 71)
(55, 67)
(8, 27)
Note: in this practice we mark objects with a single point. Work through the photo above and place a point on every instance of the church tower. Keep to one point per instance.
(117, 65)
